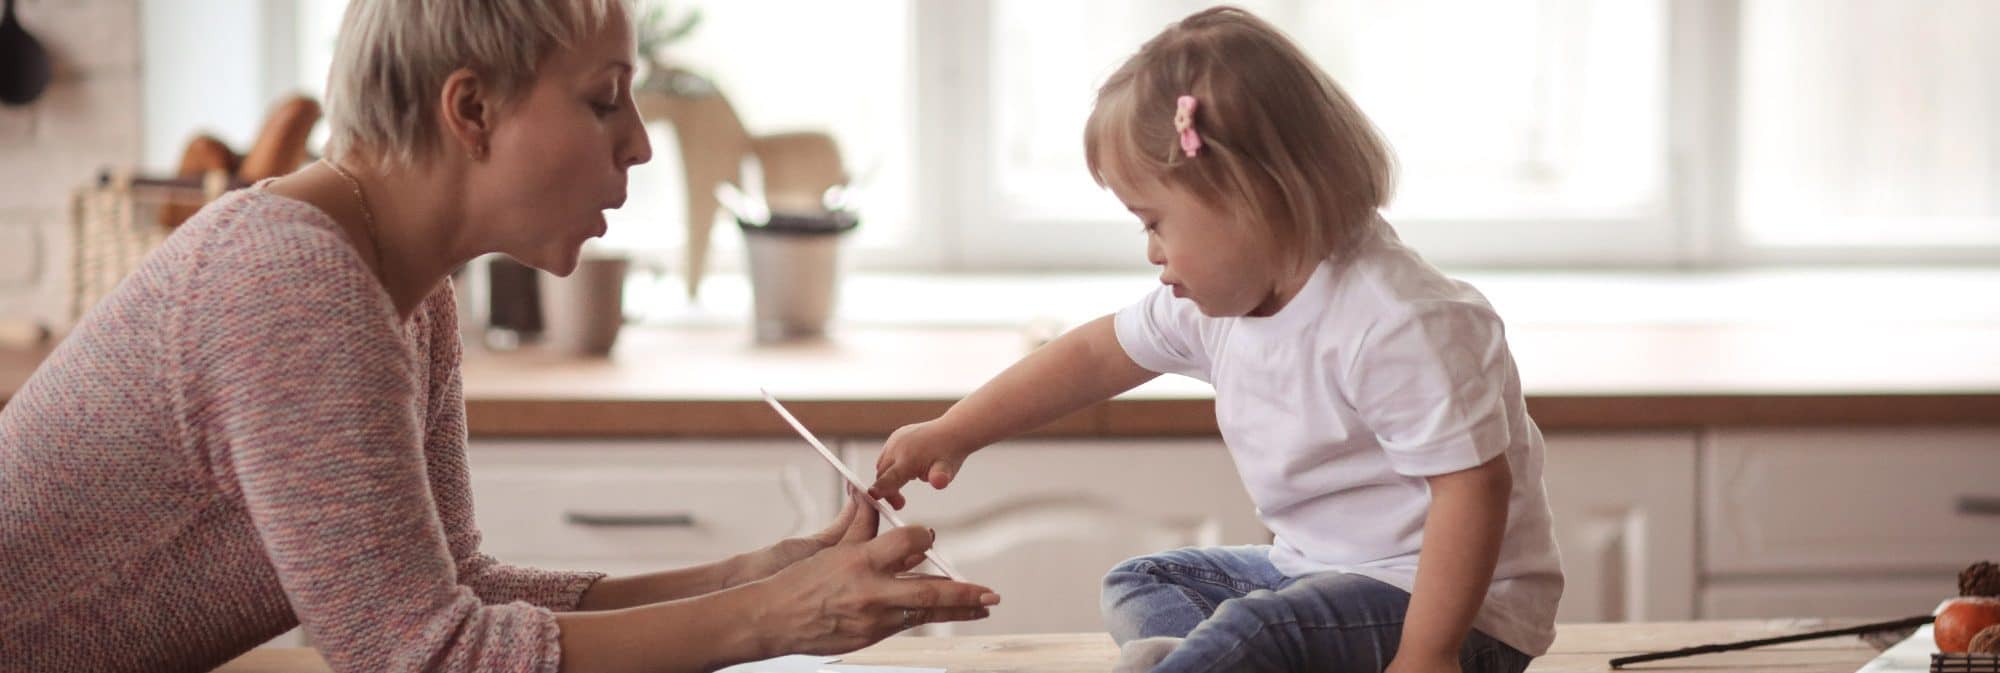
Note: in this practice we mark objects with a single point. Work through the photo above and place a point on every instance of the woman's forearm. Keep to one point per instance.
(701, 633)
(613, 593)
(1462, 536)
(1081, 367)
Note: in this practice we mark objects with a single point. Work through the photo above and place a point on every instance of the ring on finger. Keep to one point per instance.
(909, 617)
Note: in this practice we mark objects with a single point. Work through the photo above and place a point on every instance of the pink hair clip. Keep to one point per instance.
(1184, 125)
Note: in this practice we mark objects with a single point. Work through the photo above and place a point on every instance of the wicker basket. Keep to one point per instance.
(114, 224)
(1965, 663)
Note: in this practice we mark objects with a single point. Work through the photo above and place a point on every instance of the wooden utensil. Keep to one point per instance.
(1904, 623)
(713, 142)
(798, 169)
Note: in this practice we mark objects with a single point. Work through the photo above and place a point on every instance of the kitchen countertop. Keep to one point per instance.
(1596, 351)
(663, 381)
(868, 380)
(1578, 647)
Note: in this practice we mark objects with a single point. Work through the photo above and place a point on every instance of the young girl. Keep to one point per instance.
(263, 427)
(1370, 403)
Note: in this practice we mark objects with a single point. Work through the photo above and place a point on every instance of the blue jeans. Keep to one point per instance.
(1238, 613)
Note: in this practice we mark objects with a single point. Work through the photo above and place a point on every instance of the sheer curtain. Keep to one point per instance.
(1870, 123)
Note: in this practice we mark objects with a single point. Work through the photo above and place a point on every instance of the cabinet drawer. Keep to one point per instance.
(1851, 501)
(645, 502)
(1881, 599)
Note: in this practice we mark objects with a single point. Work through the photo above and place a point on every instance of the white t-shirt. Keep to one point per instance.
(1381, 372)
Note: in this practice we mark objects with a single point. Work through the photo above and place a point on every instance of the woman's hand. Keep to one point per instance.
(916, 451)
(852, 594)
(768, 561)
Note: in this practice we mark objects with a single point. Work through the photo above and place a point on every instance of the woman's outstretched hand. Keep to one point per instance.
(855, 591)
(768, 561)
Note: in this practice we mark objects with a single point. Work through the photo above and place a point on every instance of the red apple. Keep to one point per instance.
(1960, 618)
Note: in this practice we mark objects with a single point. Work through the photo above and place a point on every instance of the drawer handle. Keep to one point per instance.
(1979, 505)
(598, 520)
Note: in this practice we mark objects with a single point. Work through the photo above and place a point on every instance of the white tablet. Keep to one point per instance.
(888, 513)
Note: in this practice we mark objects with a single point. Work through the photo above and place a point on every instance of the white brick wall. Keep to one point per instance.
(88, 118)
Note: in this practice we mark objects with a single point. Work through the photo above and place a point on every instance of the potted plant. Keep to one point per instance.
(659, 28)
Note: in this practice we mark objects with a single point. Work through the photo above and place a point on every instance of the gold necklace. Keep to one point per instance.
(367, 217)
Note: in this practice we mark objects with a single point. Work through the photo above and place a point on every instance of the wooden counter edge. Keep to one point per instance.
(524, 418)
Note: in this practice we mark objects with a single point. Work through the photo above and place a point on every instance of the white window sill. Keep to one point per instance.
(1779, 296)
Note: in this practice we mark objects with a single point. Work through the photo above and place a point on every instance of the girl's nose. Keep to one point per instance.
(1154, 253)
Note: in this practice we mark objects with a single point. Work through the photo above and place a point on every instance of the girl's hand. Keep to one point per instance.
(916, 451)
(853, 594)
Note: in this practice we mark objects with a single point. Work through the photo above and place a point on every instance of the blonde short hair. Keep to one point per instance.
(392, 57)
(1282, 145)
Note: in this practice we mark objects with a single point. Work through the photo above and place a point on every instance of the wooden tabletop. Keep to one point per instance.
(1578, 648)
(867, 381)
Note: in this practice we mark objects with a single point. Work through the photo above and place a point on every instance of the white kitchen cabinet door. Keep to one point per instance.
(1624, 519)
(1863, 503)
(1042, 521)
(644, 505)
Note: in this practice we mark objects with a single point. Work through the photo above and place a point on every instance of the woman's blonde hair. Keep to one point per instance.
(1281, 145)
(392, 57)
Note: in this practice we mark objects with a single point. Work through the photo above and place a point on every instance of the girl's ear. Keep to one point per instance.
(467, 111)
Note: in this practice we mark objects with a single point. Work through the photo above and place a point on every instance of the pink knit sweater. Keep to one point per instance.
(242, 438)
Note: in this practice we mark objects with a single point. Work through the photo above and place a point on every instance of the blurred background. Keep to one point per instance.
(1532, 134)
(1748, 252)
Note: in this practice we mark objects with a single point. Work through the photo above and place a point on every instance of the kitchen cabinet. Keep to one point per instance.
(1862, 522)
(1625, 524)
(1652, 525)
(1873, 598)
(640, 506)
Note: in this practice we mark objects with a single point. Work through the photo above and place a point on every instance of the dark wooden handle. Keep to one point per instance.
(604, 520)
(1979, 505)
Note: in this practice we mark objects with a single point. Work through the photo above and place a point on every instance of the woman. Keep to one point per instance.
(263, 426)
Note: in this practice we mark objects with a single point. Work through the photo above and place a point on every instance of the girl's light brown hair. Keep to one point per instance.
(1282, 146)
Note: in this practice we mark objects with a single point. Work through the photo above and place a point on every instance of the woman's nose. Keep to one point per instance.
(637, 148)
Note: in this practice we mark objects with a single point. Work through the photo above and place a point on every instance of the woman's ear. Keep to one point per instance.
(466, 109)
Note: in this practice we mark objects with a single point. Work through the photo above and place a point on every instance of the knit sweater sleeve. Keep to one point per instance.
(291, 356)
(444, 450)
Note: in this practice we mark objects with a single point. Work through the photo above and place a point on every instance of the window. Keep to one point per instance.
(1529, 132)
(1502, 115)
(1870, 125)
(793, 66)
(785, 65)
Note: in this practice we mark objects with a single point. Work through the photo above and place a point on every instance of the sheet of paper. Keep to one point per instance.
(1913, 655)
(793, 663)
(803, 663)
(855, 668)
